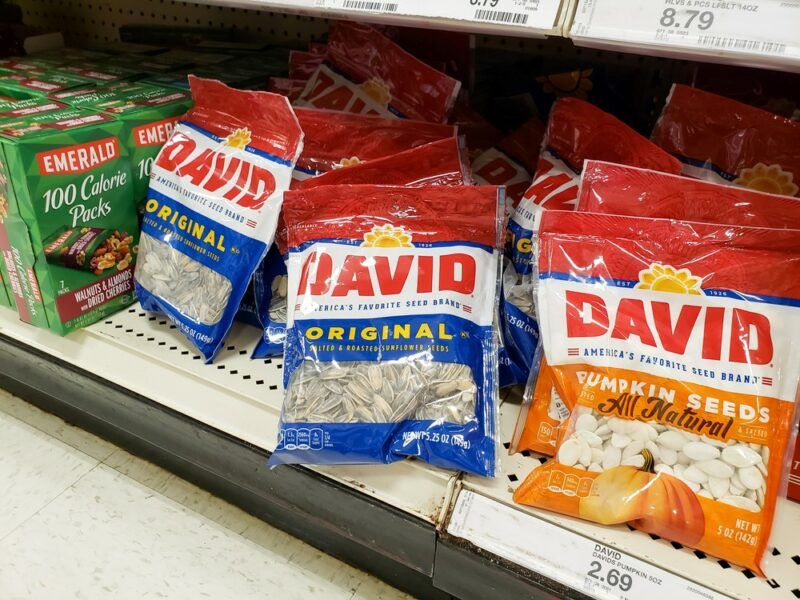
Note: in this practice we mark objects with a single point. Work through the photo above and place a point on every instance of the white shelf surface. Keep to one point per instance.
(242, 397)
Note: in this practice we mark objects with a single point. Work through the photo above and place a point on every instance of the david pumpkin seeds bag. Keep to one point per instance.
(677, 344)
(622, 190)
(725, 141)
(390, 348)
(212, 207)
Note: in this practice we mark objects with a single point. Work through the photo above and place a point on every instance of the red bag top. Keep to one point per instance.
(437, 163)
(333, 137)
(428, 214)
(620, 190)
(725, 257)
(303, 64)
(480, 133)
(738, 143)
(291, 88)
(578, 130)
(262, 120)
(412, 88)
(524, 144)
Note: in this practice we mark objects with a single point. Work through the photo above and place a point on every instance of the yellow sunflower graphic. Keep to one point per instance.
(387, 236)
(767, 178)
(377, 90)
(346, 162)
(238, 139)
(665, 278)
(571, 83)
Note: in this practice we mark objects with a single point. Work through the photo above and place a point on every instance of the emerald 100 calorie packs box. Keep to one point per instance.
(69, 233)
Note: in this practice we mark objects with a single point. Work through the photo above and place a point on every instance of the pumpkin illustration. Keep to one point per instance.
(672, 511)
(618, 495)
(659, 504)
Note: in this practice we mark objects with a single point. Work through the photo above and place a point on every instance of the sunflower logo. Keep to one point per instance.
(573, 83)
(377, 90)
(238, 139)
(387, 236)
(347, 162)
(771, 179)
(665, 278)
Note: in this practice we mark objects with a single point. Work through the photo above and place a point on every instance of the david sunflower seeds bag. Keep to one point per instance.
(725, 141)
(617, 189)
(390, 348)
(576, 131)
(334, 140)
(677, 344)
(367, 73)
(437, 163)
(212, 207)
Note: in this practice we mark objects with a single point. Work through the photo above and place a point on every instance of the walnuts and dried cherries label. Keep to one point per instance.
(212, 207)
(677, 344)
(390, 348)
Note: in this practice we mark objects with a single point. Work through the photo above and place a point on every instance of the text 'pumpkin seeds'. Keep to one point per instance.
(390, 349)
(212, 208)
(677, 344)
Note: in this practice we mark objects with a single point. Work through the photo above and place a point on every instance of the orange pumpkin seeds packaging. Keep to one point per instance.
(677, 344)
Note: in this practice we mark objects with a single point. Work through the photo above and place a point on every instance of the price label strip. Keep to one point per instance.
(762, 28)
(569, 558)
(528, 14)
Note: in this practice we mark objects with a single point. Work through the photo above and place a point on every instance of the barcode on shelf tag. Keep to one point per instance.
(370, 6)
(530, 14)
(569, 558)
(756, 27)
(501, 17)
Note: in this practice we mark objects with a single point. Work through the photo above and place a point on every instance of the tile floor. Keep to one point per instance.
(83, 519)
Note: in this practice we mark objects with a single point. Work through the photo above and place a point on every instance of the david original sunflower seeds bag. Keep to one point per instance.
(390, 348)
(728, 142)
(677, 344)
(576, 131)
(212, 207)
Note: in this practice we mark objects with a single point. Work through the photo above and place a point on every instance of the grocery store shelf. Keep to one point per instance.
(782, 567)
(498, 17)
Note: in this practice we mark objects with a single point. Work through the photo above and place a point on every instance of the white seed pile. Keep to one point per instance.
(733, 472)
(277, 303)
(518, 289)
(198, 292)
(386, 392)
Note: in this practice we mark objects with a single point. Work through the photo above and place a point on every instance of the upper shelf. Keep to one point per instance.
(758, 33)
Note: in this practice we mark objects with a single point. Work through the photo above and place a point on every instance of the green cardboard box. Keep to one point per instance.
(149, 114)
(24, 84)
(69, 236)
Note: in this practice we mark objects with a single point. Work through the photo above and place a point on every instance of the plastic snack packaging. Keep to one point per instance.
(437, 163)
(390, 348)
(367, 73)
(677, 344)
(724, 141)
(213, 205)
(303, 64)
(621, 190)
(576, 131)
(336, 139)
(291, 88)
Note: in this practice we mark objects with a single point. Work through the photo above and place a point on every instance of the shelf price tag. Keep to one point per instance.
(754, 27)
(569, 558)
(531, 14)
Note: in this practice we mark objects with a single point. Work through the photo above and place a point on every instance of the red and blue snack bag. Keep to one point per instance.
(728, 142)
(367, 73)
(391, 350)
(212, 208)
